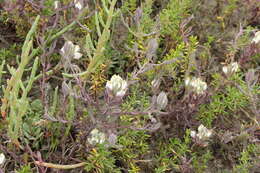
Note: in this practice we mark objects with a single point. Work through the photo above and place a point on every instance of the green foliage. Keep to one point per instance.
(185, 54)
(173, 153)
(179, 66)
(96, 53)
(200, 161)
(178, 152)
(226, 103)
(136, 100)
(18, 106)
(48, 10)
(8, 54)
(25, 169)
(146, 23)
(31, 127)
(129, 5)
(100, 160)
(117, 62)
(134, 146)
(247, 159)
(172, 16)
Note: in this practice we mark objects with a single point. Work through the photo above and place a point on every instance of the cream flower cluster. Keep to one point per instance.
(202, 135)
(116, 87)
(96, 137)
(196, 85)
(231, 68)
(70, 50)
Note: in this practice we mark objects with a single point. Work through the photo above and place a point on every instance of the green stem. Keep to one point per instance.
(98, 54)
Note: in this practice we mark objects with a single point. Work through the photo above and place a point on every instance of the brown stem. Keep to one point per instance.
(57, 166)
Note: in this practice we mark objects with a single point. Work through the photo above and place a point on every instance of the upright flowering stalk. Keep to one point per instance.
(231, 68)
(96, 137)
(69, 50)
(196, 85)
(116, 87)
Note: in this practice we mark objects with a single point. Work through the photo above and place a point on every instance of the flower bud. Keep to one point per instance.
(112, 139)
(116, 87)
(156, 84)
(162, 100)
(251, 77)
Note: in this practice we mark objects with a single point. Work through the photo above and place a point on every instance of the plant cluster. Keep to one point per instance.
(129, 86)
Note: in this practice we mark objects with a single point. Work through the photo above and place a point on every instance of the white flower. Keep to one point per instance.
(96, 137)
(203, 133)
(187, 81)
(2, 159)
(162, 100)
(196, 85)
(70, 50)
(193, 134)
(56, 4)
(231, 68)
(256, 39)
(78, 4)
(77, 55)
(225, 69)
(116, 86)
(234, 67)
